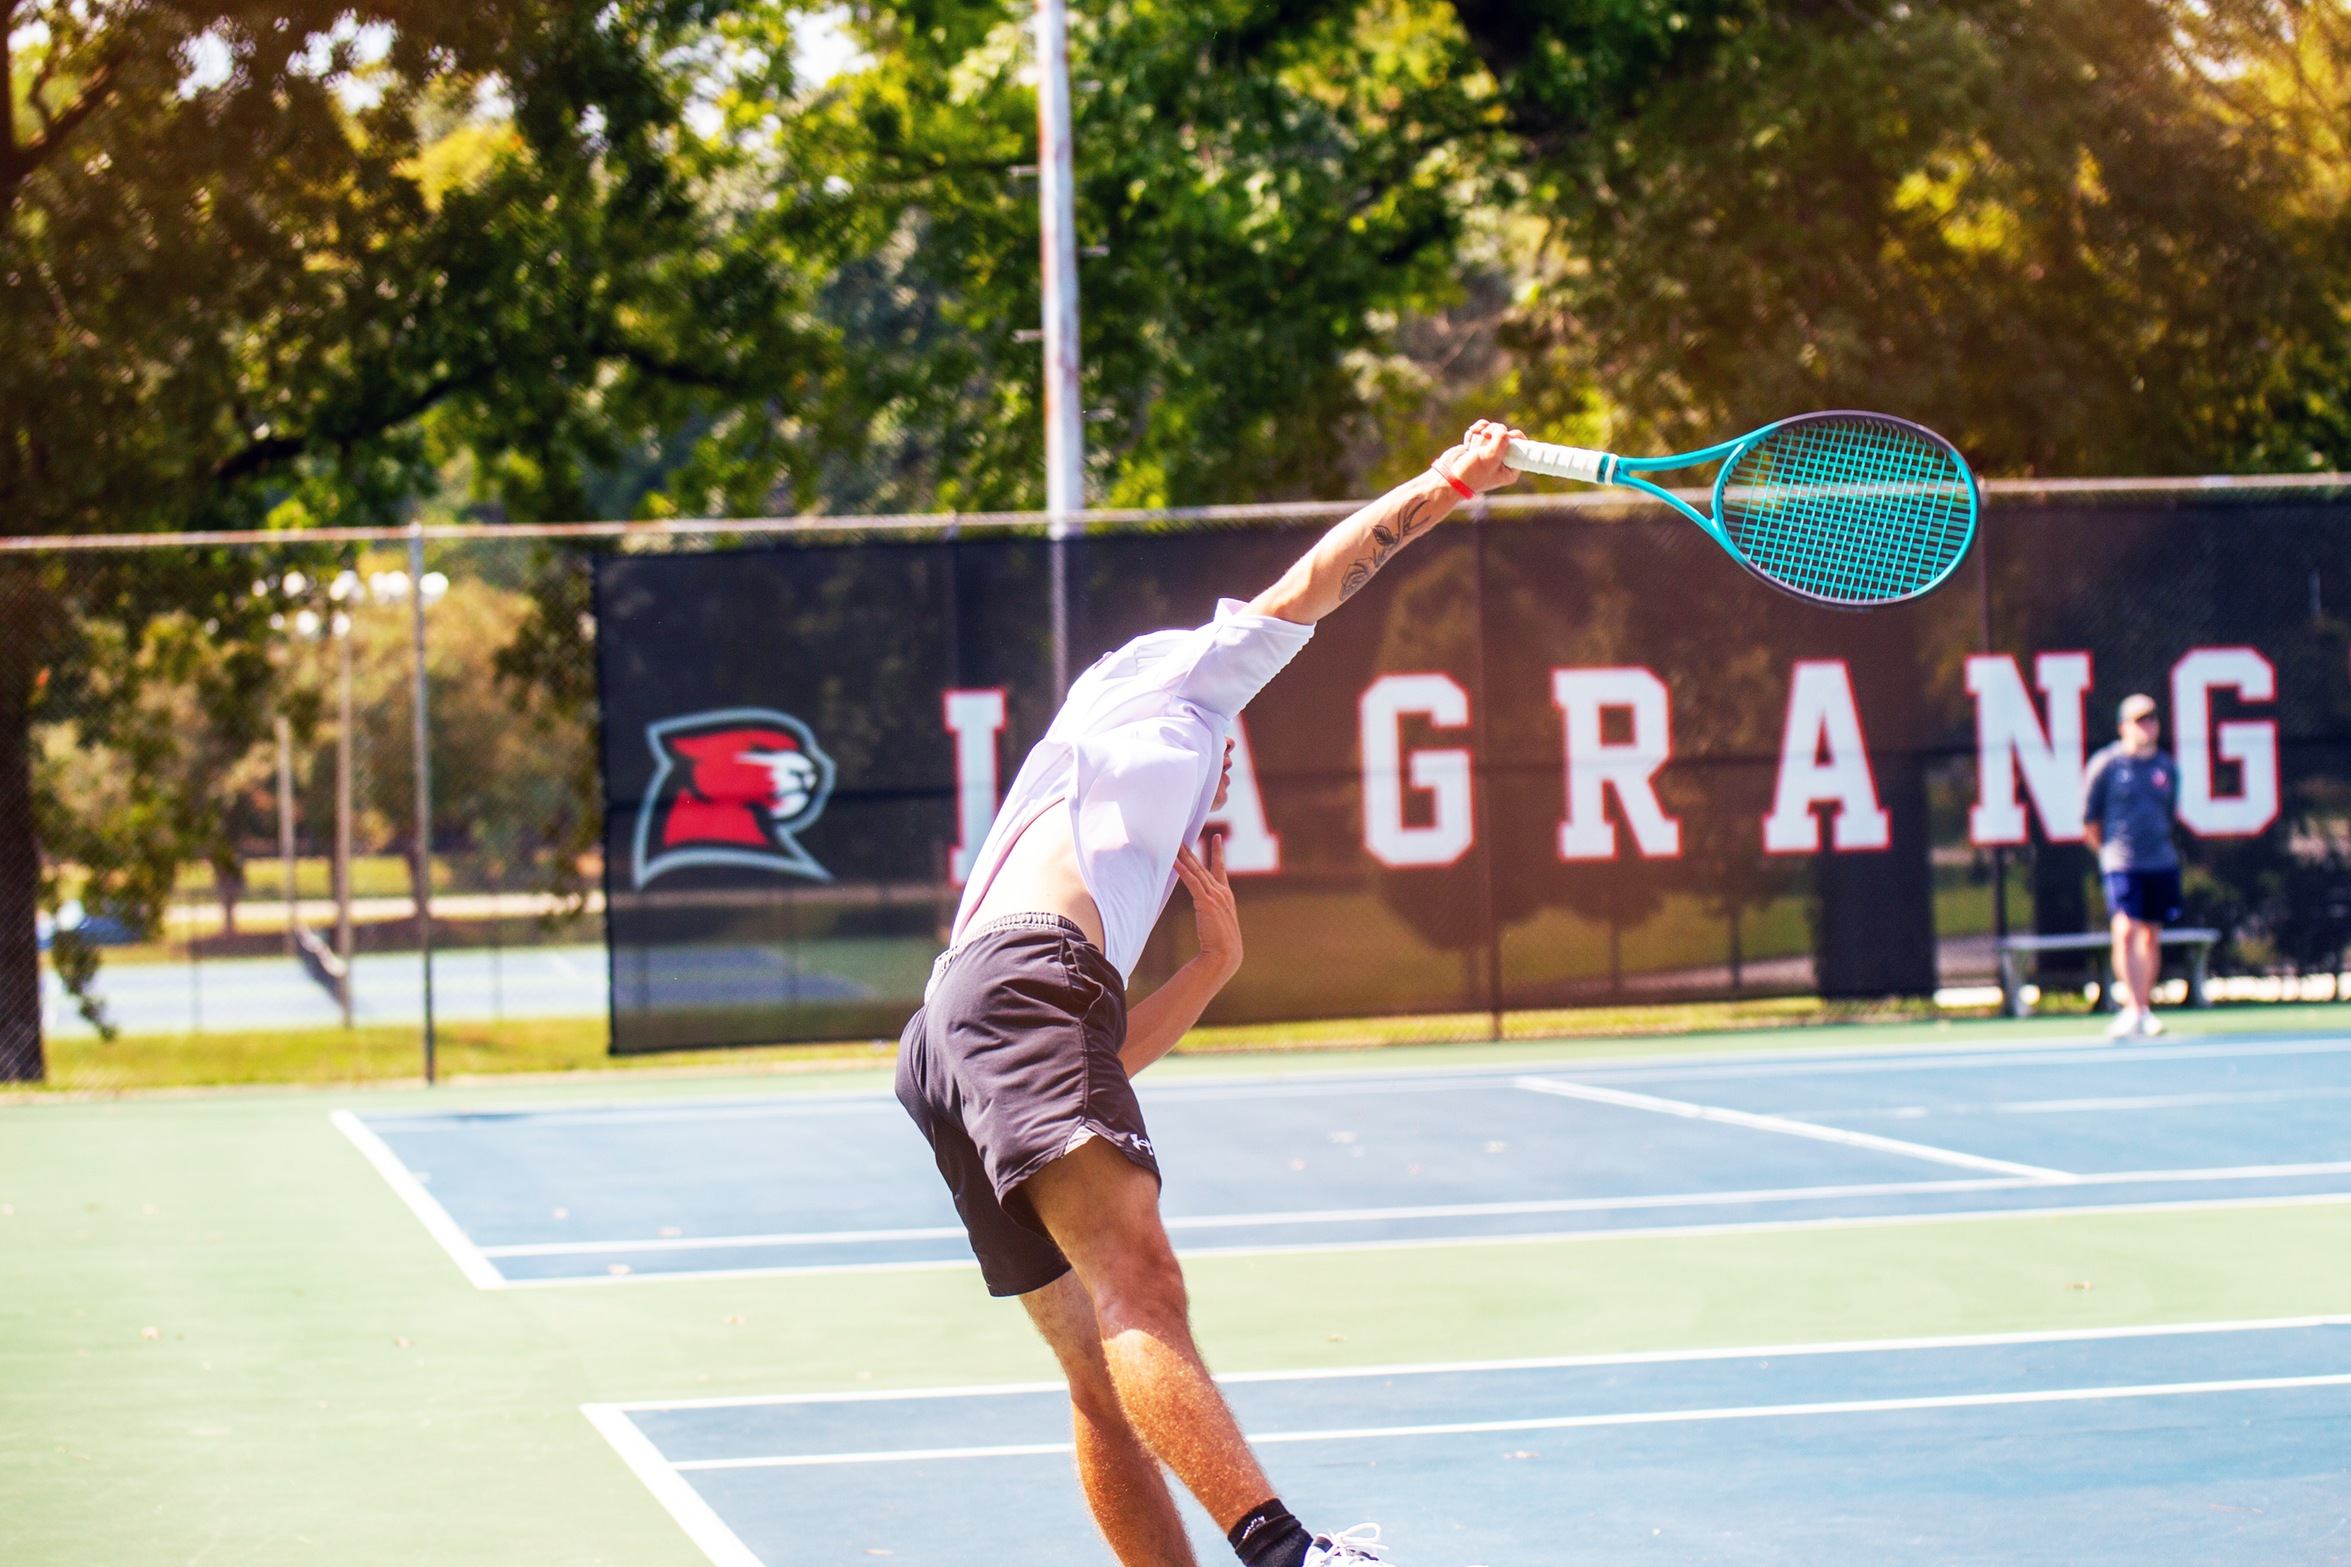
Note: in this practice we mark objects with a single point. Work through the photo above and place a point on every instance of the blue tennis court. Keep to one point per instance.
(2222, 1443)
(1275, 1163)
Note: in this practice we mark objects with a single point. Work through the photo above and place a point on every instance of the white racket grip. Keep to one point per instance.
(1560, 462)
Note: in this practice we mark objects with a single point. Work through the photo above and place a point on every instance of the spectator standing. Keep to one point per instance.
(2131, 794)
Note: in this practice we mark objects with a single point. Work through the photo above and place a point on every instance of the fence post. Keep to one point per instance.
(1489, 905)
(1983, 599)
(285, 733)
(424, 790)
(22, 1059)
(340, 626)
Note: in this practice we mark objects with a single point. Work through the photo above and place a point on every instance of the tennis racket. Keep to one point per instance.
(1849, 509)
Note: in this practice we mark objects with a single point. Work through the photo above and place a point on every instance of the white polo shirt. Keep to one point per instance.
(1136, 752)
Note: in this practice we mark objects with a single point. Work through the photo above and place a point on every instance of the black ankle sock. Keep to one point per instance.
(1269, 1537)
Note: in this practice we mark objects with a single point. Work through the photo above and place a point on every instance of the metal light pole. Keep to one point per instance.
(1065, 418)
(424, 788)
(339, 624)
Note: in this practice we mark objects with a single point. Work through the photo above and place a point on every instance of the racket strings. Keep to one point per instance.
(1851, 510)
(1847, 518)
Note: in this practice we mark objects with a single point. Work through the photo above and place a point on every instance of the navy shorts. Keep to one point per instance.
(2150, 897)
(1010, 1064)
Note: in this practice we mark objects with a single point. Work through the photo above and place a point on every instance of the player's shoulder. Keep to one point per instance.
(2102, 760)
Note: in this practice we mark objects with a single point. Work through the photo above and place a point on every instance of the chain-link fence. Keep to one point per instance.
(215, 765)
(208, 790)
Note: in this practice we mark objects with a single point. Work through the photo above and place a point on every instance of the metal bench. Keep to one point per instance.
(2012, 949)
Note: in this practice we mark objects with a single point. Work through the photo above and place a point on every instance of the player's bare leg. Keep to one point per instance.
(2125, 964)
(1123, 1482)
(2146, 963)
(1103, 1211)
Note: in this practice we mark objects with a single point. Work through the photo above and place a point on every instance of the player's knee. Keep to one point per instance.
(1092, 1394)
(1144, 1291)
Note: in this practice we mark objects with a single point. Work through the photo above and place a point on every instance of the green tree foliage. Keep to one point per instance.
(271, 265)
(1259, 189)
(2078, 235)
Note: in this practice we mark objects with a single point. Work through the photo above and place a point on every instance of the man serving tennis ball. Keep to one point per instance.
(1018, 1066)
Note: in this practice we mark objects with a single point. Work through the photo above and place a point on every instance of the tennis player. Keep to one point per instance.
(1018, 1067)
(2131, 794)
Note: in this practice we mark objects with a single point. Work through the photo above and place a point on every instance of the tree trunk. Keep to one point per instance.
(20, 849)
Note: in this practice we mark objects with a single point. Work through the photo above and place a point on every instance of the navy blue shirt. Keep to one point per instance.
(2131, 799)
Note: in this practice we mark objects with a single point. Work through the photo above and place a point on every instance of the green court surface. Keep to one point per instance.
(224, 1338)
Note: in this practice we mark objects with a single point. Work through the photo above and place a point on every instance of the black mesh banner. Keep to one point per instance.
(1535, 763)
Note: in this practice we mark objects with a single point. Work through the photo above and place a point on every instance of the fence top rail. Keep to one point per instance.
(819, 525)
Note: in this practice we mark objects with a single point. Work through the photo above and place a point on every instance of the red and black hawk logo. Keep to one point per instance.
(732, 788)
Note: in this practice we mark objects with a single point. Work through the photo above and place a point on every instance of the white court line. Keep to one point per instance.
(477, 1268)
(2228, 1172)
(1531, 1238)
(1893, 1221)
(1644, 1417)
(1781, 1124)
(1465, 1210)
(846, 1102)
(1634, 1357)
(1230, 1221)
(700, 1521)
(1964, 1058)
(664, 1243)
(2169, 1101)
(1836, 1113)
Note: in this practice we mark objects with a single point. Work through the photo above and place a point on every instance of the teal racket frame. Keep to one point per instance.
(1626, 473)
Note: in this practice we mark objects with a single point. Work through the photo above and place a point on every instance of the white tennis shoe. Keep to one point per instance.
(2149, 1024)
(1357, 1547)
(2125, 1025)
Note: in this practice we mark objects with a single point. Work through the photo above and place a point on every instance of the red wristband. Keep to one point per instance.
(1459, 488)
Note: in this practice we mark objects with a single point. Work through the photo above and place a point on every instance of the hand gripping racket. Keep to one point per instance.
(1849, 509)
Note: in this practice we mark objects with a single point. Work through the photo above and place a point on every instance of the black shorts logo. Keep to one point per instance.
(732, 787)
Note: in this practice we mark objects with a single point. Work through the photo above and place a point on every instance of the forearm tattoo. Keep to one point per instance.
(1417, 517)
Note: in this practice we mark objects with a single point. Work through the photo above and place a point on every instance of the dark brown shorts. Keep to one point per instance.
(1012, 1061)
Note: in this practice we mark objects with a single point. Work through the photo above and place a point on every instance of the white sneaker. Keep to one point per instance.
(1359, 1544)
(2125, 1024)
(2149, 1024)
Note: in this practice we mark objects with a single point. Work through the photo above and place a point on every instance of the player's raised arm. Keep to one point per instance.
(1348, 556)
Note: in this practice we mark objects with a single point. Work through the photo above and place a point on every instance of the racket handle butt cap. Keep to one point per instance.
(1559, 462)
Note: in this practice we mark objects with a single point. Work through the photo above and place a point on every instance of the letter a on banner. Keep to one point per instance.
(1596, 765)
(1251, 848)
(974, 718)
(2009, 739)
(1442, 773)
(1823, 760)
(2250, 743)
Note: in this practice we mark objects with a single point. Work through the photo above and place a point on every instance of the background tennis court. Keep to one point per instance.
(1756, 1333)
